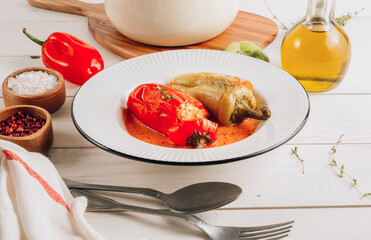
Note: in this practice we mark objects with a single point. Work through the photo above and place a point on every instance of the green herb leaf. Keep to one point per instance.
(343, 20)
(295, 152)
(164, 94)
(343, 173)
(333, 149)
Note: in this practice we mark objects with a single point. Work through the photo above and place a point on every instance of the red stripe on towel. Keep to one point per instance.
(49, 190)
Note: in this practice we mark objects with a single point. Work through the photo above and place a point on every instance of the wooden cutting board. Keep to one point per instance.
(246, 27)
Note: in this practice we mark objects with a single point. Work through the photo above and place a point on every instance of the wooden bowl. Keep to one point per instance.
(50, 100)
(39, 141)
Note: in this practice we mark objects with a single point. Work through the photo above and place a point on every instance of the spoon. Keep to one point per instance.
(194, 198)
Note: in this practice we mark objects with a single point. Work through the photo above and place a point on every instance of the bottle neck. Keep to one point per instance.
(319, 15)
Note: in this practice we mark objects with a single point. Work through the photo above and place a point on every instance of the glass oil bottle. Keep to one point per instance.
(316, 51)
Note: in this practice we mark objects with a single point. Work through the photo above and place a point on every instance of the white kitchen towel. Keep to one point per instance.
(35, 203)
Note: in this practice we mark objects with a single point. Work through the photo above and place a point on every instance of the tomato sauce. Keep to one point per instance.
(225, 135)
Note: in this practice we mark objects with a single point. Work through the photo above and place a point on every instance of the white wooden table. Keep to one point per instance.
(323, 205)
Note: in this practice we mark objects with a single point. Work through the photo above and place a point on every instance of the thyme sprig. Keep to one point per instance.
(295, 152)
(343, 20)
(164, 94)
(342, 173)
(275, 16)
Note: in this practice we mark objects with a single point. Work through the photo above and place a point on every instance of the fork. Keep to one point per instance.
(269, 232)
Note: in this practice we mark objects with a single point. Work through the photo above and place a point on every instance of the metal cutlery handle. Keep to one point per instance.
(144, 191)
(99, 203)
(278, 231)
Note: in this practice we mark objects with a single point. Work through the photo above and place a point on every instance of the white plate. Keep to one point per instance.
(97, 107)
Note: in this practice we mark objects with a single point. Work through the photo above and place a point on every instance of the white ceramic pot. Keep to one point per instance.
(171, 22)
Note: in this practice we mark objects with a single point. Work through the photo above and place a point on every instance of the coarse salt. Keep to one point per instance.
(32, 82)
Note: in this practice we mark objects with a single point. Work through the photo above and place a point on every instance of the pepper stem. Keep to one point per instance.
(243, 111)
(33, 38)
(199, 139)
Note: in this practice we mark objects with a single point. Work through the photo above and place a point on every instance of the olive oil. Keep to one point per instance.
(316, 51)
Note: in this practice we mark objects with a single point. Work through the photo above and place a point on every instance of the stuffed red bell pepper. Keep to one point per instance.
(173, 113)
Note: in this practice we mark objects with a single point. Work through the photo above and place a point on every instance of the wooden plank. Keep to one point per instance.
(65, 133)
(356, 79)
(21, 11)
(272, 180)
(354, 82)
(9, 65)
(333, 115)
(246, 26)
(340, 224)
(20, 45)
(342, 114)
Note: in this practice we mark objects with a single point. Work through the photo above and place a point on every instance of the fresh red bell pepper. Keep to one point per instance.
(76, 60)
(173, 113)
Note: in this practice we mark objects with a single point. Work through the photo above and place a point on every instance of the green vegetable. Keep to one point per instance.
(248, 49)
